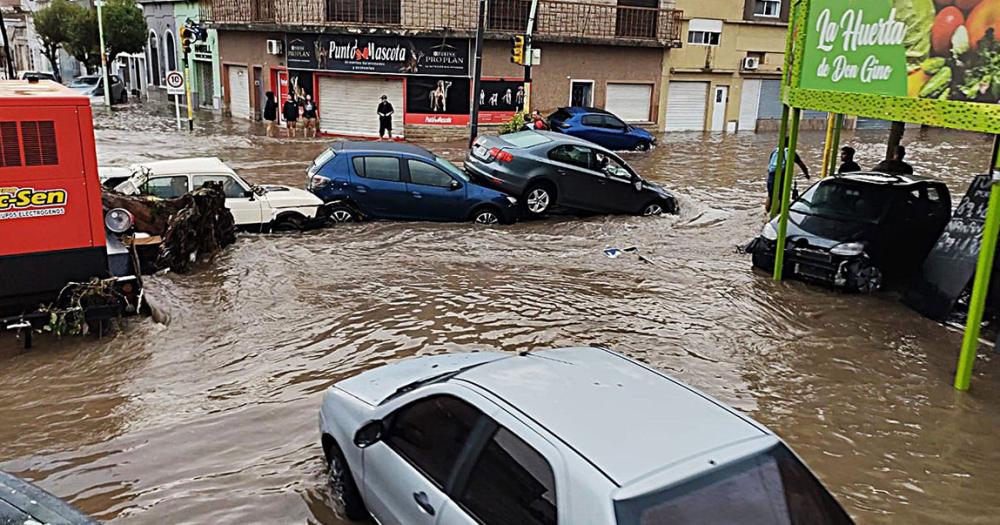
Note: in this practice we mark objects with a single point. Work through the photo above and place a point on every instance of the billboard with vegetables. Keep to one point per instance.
(926, 51)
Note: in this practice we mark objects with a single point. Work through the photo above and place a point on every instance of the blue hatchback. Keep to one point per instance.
(388, 180)
(602, 128)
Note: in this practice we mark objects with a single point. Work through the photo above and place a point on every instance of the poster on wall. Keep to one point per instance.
(499, 100)
(397, 55)
(301, 84)
(437, 101)
(946, 50)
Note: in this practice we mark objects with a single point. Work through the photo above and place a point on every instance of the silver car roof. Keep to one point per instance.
(624, 418)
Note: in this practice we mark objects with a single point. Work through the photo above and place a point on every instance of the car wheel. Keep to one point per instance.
(486, 215)
(653, 209)
(538, 199)
(641, 146)
(343, 213)
(344, 488)
(288, 223)
(864, 277)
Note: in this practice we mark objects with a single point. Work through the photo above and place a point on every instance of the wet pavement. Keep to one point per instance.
(212, 417)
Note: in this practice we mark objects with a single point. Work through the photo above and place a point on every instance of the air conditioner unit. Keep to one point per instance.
(274, 47)
(751, 63)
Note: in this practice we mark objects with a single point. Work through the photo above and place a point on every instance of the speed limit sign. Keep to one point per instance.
(175, 83)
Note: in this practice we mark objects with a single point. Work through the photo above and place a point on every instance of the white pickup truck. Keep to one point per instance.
(257, 208)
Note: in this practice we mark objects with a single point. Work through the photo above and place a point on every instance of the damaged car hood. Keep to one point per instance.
(289, 197)
(822, 231)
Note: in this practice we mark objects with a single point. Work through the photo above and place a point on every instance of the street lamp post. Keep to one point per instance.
(104, 54)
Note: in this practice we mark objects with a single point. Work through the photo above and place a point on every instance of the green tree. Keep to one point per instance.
(124, 32)
(53, 26)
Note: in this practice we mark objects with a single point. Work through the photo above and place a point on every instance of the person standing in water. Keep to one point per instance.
(385, 111)
(291, 113)
(271, 114)
(309, 113)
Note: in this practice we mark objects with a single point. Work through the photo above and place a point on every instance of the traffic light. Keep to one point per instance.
(517, 49)
(186, 37)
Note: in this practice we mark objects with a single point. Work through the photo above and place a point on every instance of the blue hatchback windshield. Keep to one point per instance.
(453, 169)
(773, 488)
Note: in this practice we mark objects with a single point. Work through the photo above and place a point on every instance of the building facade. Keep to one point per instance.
(26, 46)
(164, 52)
(727, 75)
(420, 54)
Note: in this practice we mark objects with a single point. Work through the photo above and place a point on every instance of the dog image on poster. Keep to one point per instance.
(439, 97)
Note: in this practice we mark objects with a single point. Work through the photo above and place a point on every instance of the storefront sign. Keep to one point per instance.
(905, 48)
(378, 54)
(437, 101)
(499, 100)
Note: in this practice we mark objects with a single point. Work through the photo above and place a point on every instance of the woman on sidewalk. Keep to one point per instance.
(271, 114)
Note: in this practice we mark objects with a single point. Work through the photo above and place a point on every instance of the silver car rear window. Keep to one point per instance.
(525, 139)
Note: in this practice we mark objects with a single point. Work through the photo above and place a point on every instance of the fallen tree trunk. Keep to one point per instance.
(194, 225)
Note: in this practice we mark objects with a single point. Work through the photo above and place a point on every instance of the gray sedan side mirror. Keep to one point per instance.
(369, 434)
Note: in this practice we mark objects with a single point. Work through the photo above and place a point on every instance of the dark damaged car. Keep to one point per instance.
(859, 231)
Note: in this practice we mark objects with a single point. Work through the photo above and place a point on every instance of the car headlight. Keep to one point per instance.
(769, 233)
(512, 201)
(119, 220)
(318, 181)
(848, 249)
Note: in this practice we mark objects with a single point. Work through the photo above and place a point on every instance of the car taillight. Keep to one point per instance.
(501, 155)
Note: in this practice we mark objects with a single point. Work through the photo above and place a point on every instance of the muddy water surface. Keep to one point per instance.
(211, 418)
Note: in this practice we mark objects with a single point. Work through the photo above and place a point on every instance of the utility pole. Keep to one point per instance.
(11, 74)
(104, 54)
(478, 72)
(528, 55)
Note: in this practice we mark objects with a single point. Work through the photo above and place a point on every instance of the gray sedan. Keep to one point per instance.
(544, 170)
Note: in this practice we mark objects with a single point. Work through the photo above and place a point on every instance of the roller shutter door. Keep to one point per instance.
(749, 105)
(686, 106)
(629, 101)
(347, 105)
(239, 92)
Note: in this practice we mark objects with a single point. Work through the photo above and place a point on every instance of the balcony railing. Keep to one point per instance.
(557, 19)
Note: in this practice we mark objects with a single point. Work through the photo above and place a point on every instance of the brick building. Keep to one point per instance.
(420, 53)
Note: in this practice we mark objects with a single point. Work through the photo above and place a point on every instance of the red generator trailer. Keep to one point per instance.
(52, 223)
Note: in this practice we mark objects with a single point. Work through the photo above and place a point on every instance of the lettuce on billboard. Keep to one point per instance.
(928, 49)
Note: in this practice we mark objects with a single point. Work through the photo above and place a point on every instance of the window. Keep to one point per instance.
(453, 169)
(612, 168)
(768, 8)
(427, 175)
(507, 15)
(510, 483)
(573, 155)
(581, 93)
(430, 434)
(167, 187)
(612, 122)
(154, 60)
(379, 168)
(636, 18)
(592, 120)
(368, 11)
(230, 186)
(171, 51)
(704, 32)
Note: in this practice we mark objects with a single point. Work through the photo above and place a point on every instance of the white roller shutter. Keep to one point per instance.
(629, 101)
(239, 92)
(686, 106)
(749, 105)
(347, 105)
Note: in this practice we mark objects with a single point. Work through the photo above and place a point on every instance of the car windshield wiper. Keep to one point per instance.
(440, 378)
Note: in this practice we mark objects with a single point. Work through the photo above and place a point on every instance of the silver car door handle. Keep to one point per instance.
(423, 502)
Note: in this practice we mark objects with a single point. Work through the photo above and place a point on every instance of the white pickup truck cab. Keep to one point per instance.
(253, 207)
(558, 437)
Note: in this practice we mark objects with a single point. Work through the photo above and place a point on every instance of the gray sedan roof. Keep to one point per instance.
(624, 418)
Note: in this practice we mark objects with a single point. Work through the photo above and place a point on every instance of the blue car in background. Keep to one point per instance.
(602, 128)
(388, 180)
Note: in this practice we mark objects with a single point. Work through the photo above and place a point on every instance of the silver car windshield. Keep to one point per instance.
(453, 169)
(773, 488)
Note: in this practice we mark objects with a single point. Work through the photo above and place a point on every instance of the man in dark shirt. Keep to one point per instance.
(385, 112)
(847, 164)
(290, 111)
(310, 115)
(271, 114)
(895, 165)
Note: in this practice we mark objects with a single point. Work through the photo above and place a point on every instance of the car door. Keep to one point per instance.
(514, 477)
(247, 208)
(433, 193)
(614, 134)
(591, 128)
(575, 180)
(377, 186)
(618, 194)
(407, 470)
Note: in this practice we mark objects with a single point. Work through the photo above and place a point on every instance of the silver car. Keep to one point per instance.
(569, 436)
(93, 86)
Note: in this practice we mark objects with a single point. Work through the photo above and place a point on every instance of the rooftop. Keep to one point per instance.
(626, 419)
(187, 166)
(367, 146)
(14, 92)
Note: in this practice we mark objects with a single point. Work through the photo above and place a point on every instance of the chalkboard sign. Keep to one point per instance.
(952, 262)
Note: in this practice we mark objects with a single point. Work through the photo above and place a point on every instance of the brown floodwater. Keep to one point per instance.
(212, 416)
